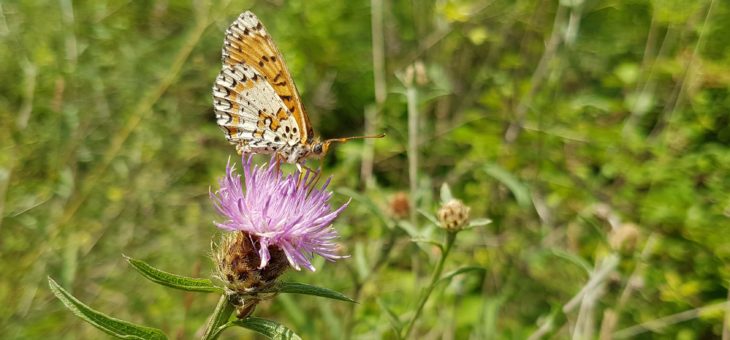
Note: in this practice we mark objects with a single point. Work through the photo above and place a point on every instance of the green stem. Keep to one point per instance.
(220, 316)
(412, 99)
(450, 237)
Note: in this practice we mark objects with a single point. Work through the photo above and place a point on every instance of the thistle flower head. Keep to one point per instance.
(284, 213)
(453, 215)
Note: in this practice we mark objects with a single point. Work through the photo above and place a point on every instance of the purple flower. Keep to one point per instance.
(287, 212)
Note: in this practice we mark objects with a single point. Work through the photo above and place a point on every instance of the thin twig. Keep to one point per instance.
(538, 77)
(658, 324)
(412, 98)
(678, 94)
(594, 284)
(381, 87)
(726, 319)
(436, 275)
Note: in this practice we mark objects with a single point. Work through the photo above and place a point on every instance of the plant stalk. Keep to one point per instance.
(412, 99)
(450, 237)
(220, 316)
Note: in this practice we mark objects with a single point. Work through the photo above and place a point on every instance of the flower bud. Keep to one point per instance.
(238, 261)
(400, 206)
(453, 215)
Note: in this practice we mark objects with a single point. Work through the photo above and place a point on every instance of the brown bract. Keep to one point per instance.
(238, 260)
(453, 215)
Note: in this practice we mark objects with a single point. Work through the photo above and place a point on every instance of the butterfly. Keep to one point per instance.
(256, 102)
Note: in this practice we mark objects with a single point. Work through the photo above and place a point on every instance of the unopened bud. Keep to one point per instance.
(238, 260)
(453, 215)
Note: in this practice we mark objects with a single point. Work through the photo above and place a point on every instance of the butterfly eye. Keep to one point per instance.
(317, 149)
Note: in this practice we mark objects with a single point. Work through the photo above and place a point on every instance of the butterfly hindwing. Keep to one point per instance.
(247, 42)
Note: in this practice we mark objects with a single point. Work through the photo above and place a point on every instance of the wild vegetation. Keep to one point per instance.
(593, 134)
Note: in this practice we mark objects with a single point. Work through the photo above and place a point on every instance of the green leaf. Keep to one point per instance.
(478, 222)
(460, 271)
(446, 194)
(408, 228)
(429, 216)
(303, 288)
(518, 189)
(173, 280)
(115, 327)
(428, 241)
(573, 258)
(393, 318)
(267, 328)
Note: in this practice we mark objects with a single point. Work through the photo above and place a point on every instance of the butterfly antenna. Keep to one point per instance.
(345, 139)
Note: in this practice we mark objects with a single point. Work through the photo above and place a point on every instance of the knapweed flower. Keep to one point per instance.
(453, 215)
(286, 213)
(276, 222)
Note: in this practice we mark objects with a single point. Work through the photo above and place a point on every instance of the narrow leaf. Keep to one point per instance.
(267, 328)
(303, 288)
(429, 216)
(173, 280)
(393, 318)
(429, 241)
(573, 258)
(518, 189)
(408, 228)
(478, 222)
(460, 271)
(115, 327)
(446, 193)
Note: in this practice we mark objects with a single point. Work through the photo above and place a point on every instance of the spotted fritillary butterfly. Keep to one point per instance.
(256, 101)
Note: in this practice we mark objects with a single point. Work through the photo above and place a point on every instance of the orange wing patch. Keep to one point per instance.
(247, 42)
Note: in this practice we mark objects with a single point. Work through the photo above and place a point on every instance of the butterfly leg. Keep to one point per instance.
(301, 174)
(278, 158)
(304, 172)
(317, 175)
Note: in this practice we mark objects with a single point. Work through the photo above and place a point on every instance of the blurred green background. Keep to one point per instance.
(594, 133)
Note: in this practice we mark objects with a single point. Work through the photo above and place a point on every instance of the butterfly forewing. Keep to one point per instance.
(250, 111)
(248, 43)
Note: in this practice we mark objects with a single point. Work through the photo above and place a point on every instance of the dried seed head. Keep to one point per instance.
(238, 260)
(453, 215)
(400, 206)
(624, 238)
